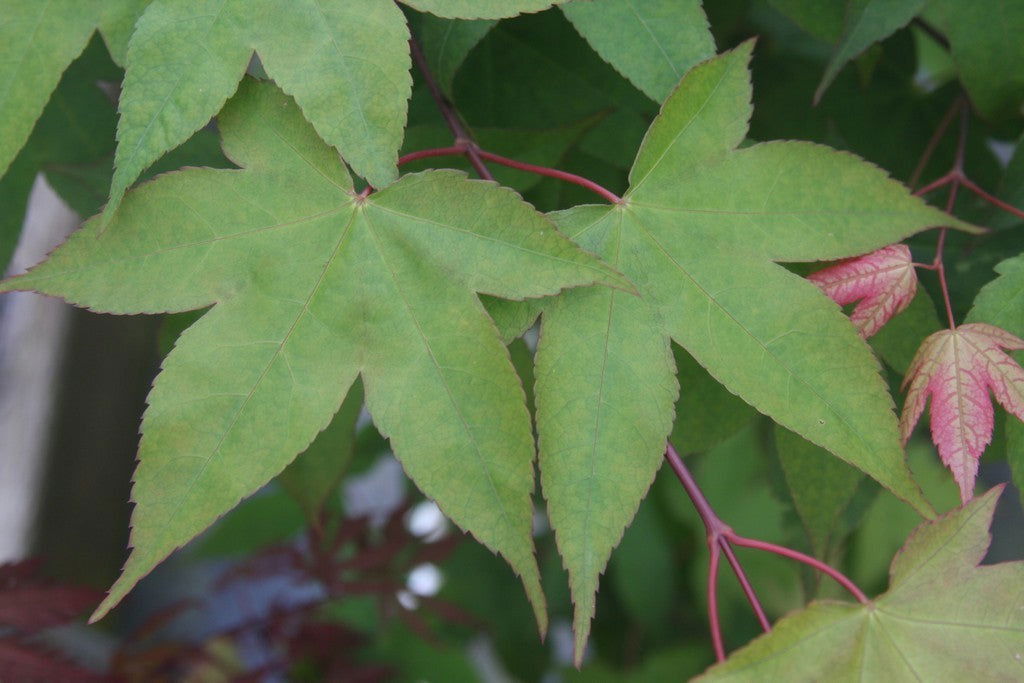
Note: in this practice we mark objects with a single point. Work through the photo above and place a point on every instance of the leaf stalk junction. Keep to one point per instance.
(721, 538)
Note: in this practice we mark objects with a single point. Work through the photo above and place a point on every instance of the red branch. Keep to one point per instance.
(954, 178)
(721, 537)
(459, 149)
(462, 137)
(466, 145)
(995, 201)
(933, 142)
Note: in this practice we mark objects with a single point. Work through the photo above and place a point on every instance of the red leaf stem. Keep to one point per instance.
(454, 150)
(935, 184)
(745, 584)
(716, 627)
(553, 173)
(933, 142)
(718, 533)
(956, 175)
(829, 571)
(512, 163)
(991, 199)
(465, 144)
(462, 137)
(720, 539)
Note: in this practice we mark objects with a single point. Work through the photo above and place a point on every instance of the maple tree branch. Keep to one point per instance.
(718, 533)
(815, 563)
(933, 142)
(454, 150)
(991, 199)
(716, 627)
(721, 537)
(462, 137)
(748, 589)
(553, 173)
(935, 184)
(955, 178)
(459, 149)
(961, 142)
(956, 175)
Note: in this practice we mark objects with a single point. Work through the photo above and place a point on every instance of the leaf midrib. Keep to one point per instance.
(259, 380)
(634, 186)
(588, 545)
(654, 38)
(477, 451)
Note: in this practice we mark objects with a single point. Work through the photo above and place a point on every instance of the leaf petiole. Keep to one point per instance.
(460, 149)
(721, 537)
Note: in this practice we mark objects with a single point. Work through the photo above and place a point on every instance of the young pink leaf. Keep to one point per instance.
(882, 282)
(957, 368)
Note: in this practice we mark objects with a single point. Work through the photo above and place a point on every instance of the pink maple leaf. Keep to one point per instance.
(882, 282)
(957, 368)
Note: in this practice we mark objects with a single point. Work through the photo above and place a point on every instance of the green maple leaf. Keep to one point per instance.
(345, 63)
(699, 232)
(943, 618)
(38, 39)
(650, 42)
(315, 284)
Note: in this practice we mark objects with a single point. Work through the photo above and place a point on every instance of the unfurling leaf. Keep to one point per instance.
(313, 284)
(883, 283)
(957, 368)
(944, 618)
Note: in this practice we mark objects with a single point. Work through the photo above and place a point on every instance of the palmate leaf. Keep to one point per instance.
(957, 368)
(38, 39)
(697, 233)
(315, 284)
(651, 42)
(943, 618)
